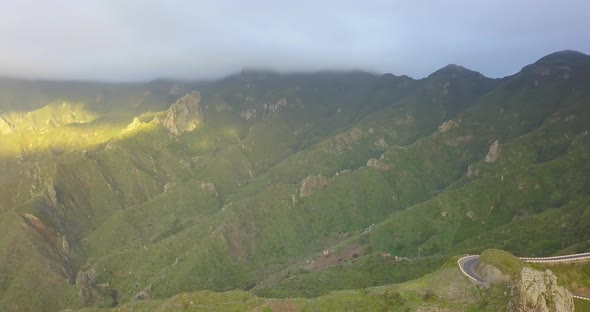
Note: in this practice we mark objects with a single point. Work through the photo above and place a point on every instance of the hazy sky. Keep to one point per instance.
(141, 40)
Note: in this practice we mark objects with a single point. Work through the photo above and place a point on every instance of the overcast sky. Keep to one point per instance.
(143, 39)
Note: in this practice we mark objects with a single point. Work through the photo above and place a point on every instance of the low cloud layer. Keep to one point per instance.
(142, 40)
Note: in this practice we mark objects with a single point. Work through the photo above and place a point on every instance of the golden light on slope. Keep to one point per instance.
(56, 129)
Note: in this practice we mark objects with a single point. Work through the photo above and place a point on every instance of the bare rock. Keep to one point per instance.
(344, 141)
(52, 195)
(447, 125)
(491, 273)
(538, 291)
(378, 164)
(134, 126)
(86, 280)
(275, 107)
(209, 188)
(184, 115)
(65, 245)
(472, 171)
(93, 293)
(494, 152)
(142, 295)
(381, 143)
(248, 114)
(311, 184)
(170, 185)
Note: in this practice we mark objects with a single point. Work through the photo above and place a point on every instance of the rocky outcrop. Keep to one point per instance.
(93, 293)
(209, 188)
(491, 273)
(52, 195)
(86, 280)
(65, 245)
(275, 107)
(538, 291)
(168, 186)
(472, 171)
(447, 125)
(494, 152)
(375, 163)
(184, 115)
(311, 184)
(134, 126)
(248, 114)
(344, 141)
(142, 295)
(381, 143)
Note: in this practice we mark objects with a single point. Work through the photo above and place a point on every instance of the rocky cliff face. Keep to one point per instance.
(538, 291)
(494, 152)
(491, 273)
(184, 115)
(312, 183)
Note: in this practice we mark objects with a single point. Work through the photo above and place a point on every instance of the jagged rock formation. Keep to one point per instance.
(184, 115)
(494, 152)
(311, 184)
(538, 291)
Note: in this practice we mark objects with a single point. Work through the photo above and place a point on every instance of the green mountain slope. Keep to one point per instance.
(292, 185)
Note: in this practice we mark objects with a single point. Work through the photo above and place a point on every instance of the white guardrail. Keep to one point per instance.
(581, 297)
(574, 257)
(463, 271)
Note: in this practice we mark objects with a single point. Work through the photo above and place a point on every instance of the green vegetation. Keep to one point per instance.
(103, 200)
(503, 261)
(582, 305)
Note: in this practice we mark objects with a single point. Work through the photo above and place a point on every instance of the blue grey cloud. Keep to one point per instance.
(141, 40)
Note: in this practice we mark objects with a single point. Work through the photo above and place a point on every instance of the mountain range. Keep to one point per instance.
(291, 192)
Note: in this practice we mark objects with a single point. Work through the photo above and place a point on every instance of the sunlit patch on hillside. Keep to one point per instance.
(59, 128)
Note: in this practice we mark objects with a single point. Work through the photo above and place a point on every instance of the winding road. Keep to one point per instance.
(468, 263)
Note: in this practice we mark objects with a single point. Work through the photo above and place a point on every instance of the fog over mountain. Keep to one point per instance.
(142, 40)
(294, 156)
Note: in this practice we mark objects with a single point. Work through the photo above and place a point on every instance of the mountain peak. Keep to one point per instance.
(563, 64)
(565, 56)
(185, 114)
(453, 71)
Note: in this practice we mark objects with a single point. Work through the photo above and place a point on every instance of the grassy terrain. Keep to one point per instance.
(445, 288)
(503, 261)
(104, 190)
